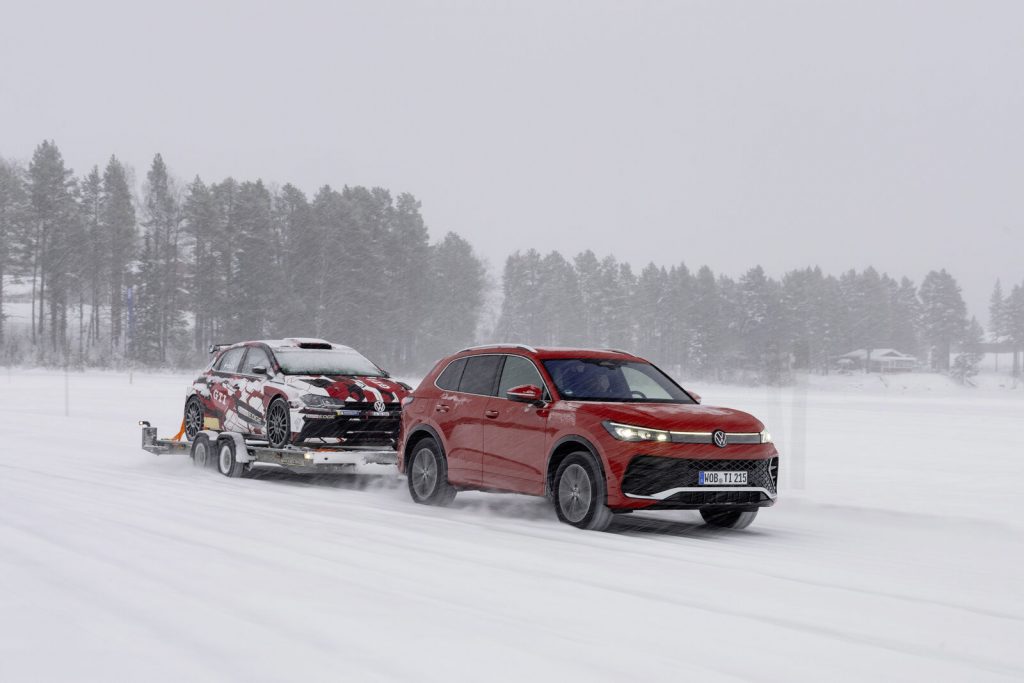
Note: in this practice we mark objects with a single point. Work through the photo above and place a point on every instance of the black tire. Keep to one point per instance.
(579, 493)
(194, 417)
(427, 475)
(201, 451)
(278, 424)
(227, 462)
(728, 519)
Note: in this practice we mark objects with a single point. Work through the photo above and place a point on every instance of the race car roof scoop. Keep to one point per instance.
(315, 345)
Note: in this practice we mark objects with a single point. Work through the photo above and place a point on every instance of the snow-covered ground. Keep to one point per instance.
(898, 559)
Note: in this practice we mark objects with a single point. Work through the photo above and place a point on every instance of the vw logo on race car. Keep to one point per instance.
(379, 406)
(720, 438)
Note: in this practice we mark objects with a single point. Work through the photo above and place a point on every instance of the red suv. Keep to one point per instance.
(599, 432)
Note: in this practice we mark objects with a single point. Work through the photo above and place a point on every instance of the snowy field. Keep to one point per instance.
(894, 554)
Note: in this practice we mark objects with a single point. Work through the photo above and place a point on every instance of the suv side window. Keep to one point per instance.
(256, 356)
(230, 360)
(480, 375)
(449, 379)
(518, 371)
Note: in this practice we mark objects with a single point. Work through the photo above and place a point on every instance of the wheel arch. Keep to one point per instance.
(563, 447)
(418, 433)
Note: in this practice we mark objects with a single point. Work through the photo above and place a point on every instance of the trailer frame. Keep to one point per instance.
(325, 459)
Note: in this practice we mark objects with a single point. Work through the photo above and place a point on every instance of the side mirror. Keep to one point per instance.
(526, 393)
(694, 395)
(259, 370)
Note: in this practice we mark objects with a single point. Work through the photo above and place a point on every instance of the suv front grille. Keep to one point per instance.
(648, 475)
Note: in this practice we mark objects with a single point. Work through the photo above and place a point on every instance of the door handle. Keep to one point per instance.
(491, 414)
(442, 408)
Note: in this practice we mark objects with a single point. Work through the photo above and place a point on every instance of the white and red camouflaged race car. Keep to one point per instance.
(295, 391)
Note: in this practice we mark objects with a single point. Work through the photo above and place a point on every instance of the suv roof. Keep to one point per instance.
(552, 352)
(286, 343)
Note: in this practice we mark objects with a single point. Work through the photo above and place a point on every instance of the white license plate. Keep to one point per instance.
(723, 479)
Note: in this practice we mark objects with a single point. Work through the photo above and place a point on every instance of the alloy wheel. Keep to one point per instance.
(575, 493)
(424, 473)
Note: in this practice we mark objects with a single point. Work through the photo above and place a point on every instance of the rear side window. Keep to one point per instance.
(230, 360)
(517, 372)
(480, 375)
(449, 379)
(256, 357)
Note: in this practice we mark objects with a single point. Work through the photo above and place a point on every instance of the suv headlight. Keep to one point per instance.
(766, 436)
(317, 401)
(630, 433)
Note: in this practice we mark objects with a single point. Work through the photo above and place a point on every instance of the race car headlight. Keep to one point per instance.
(630, 433)
(317, 401)
(766, 436)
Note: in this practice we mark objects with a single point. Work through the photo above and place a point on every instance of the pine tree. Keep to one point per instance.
(13, 224)
(943, 316)
(54, 220)
(163, 227)
(119, 234)
(997, 313)
(965, 365)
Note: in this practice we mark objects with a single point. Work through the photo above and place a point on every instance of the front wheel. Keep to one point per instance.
(279, 430)
(579, 493)
(428, 475)
(728, 519)
(227, 459)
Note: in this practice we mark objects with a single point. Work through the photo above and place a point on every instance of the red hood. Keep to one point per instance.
(674, 416)
(350, 388)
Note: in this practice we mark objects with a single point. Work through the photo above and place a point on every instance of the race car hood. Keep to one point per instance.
(674, 416)
(348, 388)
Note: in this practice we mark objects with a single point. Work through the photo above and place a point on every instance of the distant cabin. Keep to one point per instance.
(882, 360)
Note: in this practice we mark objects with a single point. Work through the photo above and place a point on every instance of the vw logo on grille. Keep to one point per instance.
(720, 438)
(380, 406)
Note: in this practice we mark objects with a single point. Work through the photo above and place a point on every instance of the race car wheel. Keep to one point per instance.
(729, 519)
(201, 451)
(193, 417)
(579, 493)
(279, 430)
(428, 475)
(227, 462)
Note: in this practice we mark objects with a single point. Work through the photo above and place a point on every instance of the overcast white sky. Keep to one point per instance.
(841, 134)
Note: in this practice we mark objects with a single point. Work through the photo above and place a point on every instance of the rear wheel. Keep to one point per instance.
(193, 417)
(428, 475)
(579, 493)
(227, 460)
(728, 519)
(201, 451)
(279, 430)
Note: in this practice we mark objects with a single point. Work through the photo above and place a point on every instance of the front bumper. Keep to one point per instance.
(674, 483)
(346, 427)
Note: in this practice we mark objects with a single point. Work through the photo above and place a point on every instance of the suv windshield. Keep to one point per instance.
(597, 379)
(325, 362)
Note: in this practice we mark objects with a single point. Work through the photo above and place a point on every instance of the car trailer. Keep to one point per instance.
(232, 454)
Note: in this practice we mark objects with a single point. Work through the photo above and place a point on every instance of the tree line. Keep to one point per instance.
(753, 328)
(114, 277)
(155, 280)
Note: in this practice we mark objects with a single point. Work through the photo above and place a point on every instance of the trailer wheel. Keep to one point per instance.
(201, 451)
(227, 463)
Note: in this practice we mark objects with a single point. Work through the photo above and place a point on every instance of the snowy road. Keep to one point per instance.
(901, 560)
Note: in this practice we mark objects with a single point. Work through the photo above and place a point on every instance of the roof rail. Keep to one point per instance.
(214, 348)
(619, 351)
(498, 346)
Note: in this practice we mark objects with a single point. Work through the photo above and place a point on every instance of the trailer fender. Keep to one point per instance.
(241, 448)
